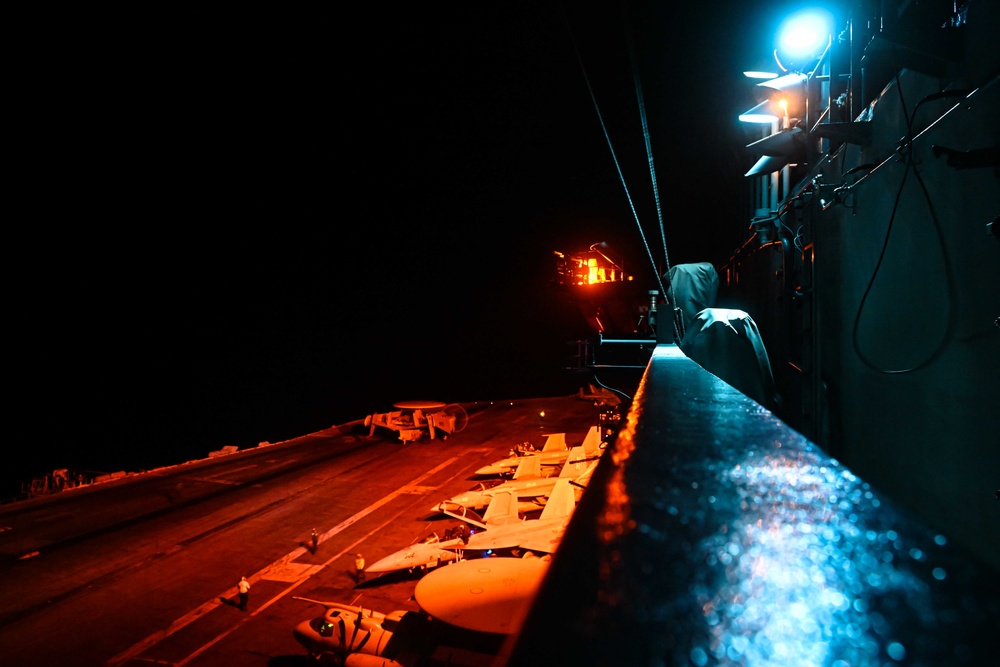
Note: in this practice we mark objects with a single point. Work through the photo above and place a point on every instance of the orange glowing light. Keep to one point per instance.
(616, 520)
(591, 267)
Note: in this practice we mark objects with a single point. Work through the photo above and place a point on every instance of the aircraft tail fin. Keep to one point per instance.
(561, 502)
(555, 442)
(575, 464)
(528, 467)
(502, 510)
(592, 441)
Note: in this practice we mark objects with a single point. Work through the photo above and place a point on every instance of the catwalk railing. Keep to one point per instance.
(713, 534)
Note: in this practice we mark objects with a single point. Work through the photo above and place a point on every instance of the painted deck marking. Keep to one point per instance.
(277, 566)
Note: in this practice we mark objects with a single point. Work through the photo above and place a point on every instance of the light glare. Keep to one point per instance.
(803, 35)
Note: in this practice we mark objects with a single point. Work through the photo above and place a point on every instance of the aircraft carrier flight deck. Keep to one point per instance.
(143, 570)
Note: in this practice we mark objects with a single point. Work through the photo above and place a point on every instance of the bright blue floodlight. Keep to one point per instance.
(805, 34)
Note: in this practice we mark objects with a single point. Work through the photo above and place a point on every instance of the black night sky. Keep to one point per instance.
(229, 227)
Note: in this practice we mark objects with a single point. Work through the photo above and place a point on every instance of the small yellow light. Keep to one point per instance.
(542, 414)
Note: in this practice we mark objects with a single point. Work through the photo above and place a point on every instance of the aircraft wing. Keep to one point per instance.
(545, 539)
(542, 536)
(528, 488)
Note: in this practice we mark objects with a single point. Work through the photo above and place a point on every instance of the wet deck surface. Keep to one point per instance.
(143, 570)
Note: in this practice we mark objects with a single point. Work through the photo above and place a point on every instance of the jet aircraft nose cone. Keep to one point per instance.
(384, 565)
(304, 635)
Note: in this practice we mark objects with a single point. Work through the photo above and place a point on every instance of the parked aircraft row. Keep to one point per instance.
(495, 564)
(551, 455)
(499, 528)
(529, 483)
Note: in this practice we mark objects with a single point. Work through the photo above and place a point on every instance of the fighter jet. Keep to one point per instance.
(528, 484)
(435, 551)
(601, 396)
(499, 528)
(592, 448)
(541, 535)
(429, 553)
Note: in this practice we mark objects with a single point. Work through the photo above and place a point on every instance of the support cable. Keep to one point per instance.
(677, 318)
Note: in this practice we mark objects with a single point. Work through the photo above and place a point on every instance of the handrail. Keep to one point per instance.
(711, 533)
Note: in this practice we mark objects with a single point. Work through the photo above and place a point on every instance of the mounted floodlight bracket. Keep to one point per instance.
(791, 88)
(858, 133)
(767, 164)
(788, 143)
(768, 111)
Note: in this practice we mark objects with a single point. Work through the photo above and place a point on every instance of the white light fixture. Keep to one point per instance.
(768, 111)
(758, 74)
(767, 164)
(789, 83)
(789, 89)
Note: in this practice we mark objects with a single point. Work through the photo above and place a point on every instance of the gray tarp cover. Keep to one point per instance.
(723, 341)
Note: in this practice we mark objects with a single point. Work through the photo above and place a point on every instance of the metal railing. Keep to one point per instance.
(713, 534)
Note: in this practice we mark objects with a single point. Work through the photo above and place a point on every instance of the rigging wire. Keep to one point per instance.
(677, 320)
(614, 157)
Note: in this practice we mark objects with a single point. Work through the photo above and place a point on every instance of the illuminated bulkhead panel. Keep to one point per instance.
(590, 267)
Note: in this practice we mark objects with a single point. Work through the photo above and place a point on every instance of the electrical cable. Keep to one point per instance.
(949, 279)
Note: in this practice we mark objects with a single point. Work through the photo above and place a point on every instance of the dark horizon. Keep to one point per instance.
(261, 224)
